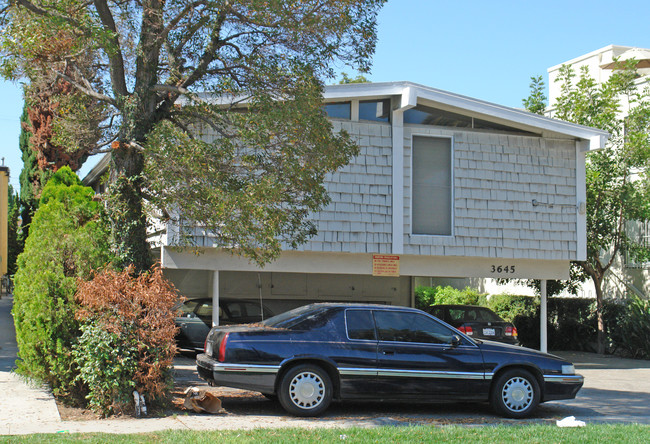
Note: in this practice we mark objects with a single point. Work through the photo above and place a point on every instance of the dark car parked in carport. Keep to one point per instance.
(314, 354)
(195, 320)
(477, 322)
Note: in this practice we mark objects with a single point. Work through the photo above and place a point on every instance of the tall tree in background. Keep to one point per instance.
(620, 107)
(536, 101)
(30, 177)
(13, 240)
(170, 71)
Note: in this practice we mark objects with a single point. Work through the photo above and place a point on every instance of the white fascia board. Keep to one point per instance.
(410, 92)
(588, 56)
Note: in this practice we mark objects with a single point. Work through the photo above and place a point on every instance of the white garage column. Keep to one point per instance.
(543, 344)
(215, 298)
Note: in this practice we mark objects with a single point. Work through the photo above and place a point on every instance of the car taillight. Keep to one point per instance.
(466, 329)
(511, 331)
(222, 348)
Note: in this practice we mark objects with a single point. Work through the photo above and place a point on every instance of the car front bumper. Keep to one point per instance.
(562, 386)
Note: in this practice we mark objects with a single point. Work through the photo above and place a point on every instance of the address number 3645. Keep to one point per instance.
(502, 269)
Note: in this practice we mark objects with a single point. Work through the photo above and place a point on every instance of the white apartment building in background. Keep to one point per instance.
(626, 275)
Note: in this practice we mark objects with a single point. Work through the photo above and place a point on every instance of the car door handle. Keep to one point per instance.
(388, 352)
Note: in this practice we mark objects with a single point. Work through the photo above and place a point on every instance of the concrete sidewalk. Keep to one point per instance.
(616, 391)
(21, 405)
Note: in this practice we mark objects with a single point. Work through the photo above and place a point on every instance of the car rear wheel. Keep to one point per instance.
(305, 390)
(515, 394)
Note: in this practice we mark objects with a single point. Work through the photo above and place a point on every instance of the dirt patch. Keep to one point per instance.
(68, 413)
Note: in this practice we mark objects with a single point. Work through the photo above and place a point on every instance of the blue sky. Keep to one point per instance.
(483, 49)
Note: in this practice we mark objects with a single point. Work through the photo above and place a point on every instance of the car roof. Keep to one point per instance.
(330, 305)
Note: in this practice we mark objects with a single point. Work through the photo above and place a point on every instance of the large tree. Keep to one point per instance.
(214, 105)
(617, 176)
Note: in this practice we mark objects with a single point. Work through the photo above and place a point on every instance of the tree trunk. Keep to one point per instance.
(598, 282)
(126, 213)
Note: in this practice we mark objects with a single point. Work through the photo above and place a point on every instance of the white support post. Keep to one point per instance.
(398, 181)
(543, 343)
(215, 298)
(408, 101)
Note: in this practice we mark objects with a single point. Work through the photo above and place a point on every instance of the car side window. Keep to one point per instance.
(204, 310)
(188, 307)
(360, 325)
(410, 327)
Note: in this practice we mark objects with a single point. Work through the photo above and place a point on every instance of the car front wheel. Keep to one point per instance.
(515, 394)
(305, 390)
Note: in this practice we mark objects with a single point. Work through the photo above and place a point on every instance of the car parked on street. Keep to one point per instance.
(476, 322)
(195, 319)
(312, 355)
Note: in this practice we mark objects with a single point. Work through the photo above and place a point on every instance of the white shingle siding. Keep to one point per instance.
(496, 177)
(359, 217)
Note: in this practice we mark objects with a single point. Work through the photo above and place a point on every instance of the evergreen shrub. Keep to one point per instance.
(68, 240)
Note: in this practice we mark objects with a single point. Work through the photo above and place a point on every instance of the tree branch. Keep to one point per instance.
(92, 93)
(118, 77)
(170, 88)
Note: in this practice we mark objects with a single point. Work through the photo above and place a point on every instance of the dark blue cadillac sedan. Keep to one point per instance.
(314, 354)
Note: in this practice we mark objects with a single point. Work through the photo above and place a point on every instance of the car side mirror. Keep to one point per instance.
(191, 315)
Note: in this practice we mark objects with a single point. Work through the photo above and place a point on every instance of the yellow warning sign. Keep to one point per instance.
(385, 265)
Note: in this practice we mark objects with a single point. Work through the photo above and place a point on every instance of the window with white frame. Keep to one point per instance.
(431, 206)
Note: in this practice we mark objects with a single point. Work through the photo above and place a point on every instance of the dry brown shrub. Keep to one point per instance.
(141, 310)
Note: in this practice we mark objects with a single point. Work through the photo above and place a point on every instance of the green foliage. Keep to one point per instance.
(345, 80)
(67, 240)
(620, 107)
(427, 296)
(259, 197)
(630, 333)
(509, 307)
(536, 101)
(106, 363)
(30, 178)
(14, 244)
(268, 58)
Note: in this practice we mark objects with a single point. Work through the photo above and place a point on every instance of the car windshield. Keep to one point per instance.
(290, 318)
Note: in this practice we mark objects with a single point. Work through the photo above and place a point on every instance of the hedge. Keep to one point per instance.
(572, 323)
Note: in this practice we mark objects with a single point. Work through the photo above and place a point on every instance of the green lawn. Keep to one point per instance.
(483, 434)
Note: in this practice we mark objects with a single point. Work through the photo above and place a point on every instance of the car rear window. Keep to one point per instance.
(473, 314)
(291, 318)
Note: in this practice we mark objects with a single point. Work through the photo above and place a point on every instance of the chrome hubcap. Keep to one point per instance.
(517, 394)
(307, 390)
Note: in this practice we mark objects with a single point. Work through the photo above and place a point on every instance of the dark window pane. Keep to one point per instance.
(425, 115)
(411, 327)
(484, 124)
(375, 110)
(432, 194)
(360, 324)
(341, 110)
